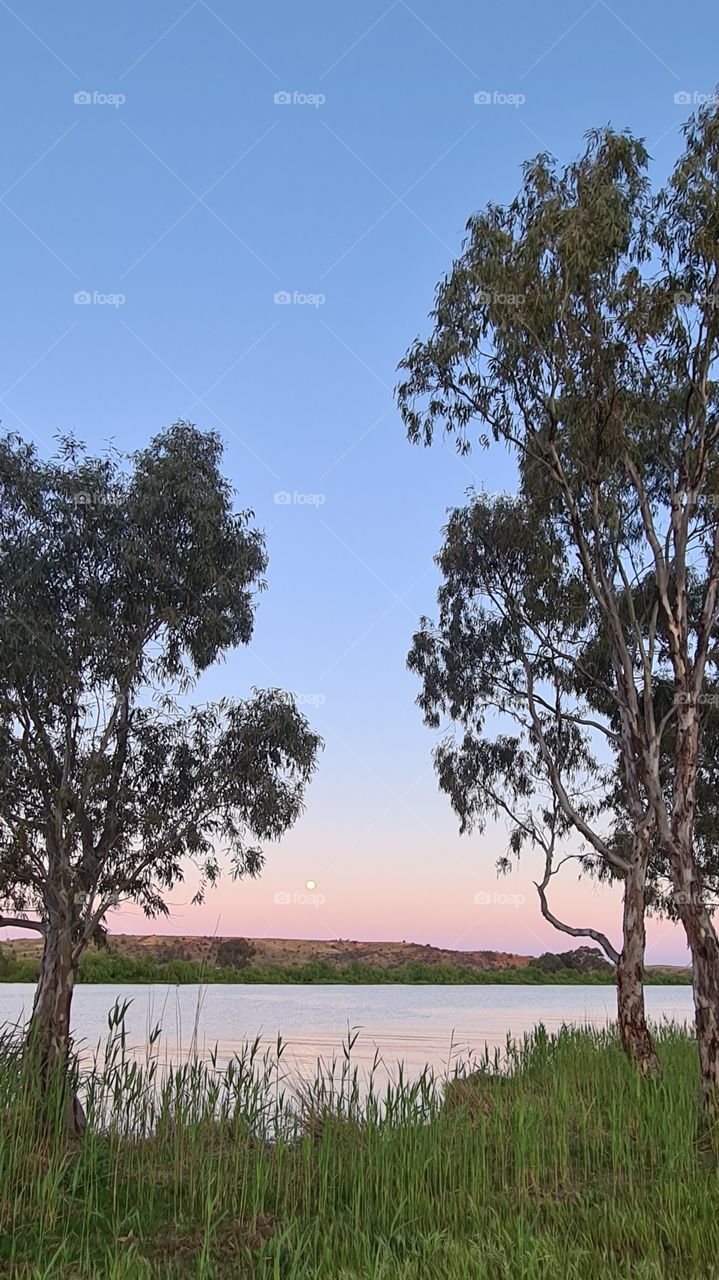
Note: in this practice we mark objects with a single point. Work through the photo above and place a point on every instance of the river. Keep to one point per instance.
(416, 1025)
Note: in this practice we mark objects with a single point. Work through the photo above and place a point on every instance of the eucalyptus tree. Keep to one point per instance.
(501, 664)
(122, 580)
(580, 329)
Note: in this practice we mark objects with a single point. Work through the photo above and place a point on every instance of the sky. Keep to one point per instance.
(237, 214)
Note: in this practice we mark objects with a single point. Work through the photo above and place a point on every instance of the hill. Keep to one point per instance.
(257, 953)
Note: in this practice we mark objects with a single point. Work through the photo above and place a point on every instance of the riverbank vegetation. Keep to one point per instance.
(105, 967)
(568, 1165)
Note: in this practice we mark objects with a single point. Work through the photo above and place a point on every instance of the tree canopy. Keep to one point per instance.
(579, 328)
(122, 580)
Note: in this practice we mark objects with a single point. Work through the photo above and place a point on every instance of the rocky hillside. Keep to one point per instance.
(287, 952)
(257, 952)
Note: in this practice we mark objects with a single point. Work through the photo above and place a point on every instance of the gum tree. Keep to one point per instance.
(506, 665)
(121, 582)
(579, 328)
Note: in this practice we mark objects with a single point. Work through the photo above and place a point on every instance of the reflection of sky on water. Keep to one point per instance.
(417, 1026)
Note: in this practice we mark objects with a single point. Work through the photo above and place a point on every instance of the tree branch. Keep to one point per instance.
(595, 934)
(18, 922)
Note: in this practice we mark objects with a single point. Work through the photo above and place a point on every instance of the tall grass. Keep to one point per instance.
(556, 1161)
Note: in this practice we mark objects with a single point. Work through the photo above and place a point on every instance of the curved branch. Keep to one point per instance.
(595, 934)
(17, 922)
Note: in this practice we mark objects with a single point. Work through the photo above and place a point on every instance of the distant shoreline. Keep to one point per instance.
(253, 960)
(104, 968)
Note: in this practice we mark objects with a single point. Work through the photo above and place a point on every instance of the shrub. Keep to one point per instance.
(234, 953)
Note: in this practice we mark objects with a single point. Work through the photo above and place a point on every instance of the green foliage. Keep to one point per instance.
(122, 579)
(583, 960)
(234, 953)
(579, 329)
(25, 970)
(565, 1166)
(108, 967)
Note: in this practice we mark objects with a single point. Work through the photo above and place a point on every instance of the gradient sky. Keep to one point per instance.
(181, 197)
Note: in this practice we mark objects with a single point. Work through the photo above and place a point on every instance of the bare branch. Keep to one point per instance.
(19, 922)
(595, 934)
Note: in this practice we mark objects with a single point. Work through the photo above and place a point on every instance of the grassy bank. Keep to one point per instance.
(102, 966)
(568, 1168)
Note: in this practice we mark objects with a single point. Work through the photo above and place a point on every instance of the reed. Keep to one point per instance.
(552, 1159)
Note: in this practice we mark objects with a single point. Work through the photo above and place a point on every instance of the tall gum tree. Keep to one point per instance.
(580, 329)
(122, 580)
(505, 665)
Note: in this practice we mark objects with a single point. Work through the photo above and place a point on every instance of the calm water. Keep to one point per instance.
(413, 1025)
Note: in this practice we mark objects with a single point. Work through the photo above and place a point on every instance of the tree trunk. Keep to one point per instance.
(704, 947)
(48, 1034)
(633, 1030)
(689, 898)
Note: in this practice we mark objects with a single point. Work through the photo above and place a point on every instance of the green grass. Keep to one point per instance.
(102, 966)
(568, 1167)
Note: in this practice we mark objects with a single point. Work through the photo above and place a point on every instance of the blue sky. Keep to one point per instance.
(181, 197)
